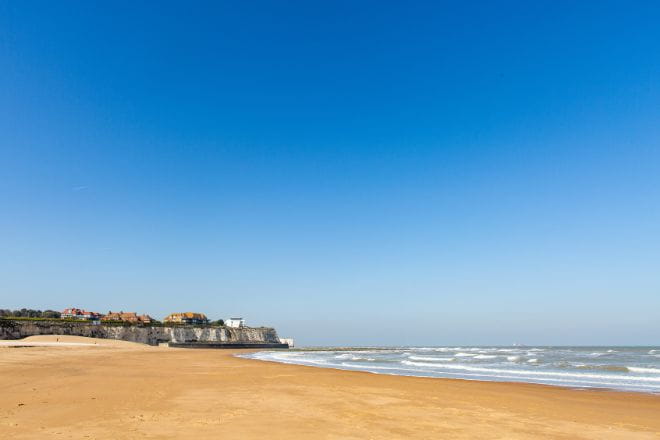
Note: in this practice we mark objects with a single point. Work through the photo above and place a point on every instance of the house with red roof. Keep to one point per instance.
(81, 314)
(131, 317)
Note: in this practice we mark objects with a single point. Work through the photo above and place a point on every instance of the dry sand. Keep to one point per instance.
(119, 390)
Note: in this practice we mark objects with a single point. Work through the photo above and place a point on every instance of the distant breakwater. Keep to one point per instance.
(151, 335)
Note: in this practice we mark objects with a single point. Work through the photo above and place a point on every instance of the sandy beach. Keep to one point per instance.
(98, 389)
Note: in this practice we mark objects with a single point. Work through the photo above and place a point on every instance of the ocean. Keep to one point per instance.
(617, 368)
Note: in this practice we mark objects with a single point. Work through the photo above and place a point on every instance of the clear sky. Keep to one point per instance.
(348, 172)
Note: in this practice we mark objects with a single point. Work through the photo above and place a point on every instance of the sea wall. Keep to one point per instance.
(10, 329)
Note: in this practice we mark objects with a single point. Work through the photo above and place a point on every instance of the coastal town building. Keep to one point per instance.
(235, 322)
(186, 318)
(75, 313)
(131, 317)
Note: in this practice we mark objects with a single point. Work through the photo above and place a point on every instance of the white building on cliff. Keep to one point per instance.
(235, 322)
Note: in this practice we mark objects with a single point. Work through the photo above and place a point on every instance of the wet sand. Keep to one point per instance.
(120, 390)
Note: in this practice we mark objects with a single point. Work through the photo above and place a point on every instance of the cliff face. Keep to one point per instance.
(145, 335)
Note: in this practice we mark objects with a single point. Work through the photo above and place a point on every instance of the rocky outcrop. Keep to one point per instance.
(152, 335)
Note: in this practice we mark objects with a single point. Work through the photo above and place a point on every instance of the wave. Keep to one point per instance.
(431, 358)
(601, 354)
(370, 367)
(530, 372)
(614, 368)
(644, 370)
(288, 360)
(423, 364)
(574, 367)
(441, 349)
(577, 381)
(353, 357)
(507, 375)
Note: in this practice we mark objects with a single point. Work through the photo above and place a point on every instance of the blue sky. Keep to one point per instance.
(350, 173)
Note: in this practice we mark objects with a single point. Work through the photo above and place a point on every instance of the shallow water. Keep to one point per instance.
(619, 368)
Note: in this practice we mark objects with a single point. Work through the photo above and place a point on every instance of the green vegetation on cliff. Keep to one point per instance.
(29, 313)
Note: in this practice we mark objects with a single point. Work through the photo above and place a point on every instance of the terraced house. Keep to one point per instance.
(131, 317)
(83, 315)
(187, 318)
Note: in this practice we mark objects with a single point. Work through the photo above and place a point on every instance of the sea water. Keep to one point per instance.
(619, 368)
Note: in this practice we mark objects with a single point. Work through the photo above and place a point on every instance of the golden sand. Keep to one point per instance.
(119, 390)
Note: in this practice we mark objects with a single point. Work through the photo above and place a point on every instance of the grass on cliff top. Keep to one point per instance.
(103, 323)
(8, 319)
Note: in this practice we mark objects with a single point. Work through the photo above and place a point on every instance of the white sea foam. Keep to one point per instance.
(442, 349)
(533, 373)
(606, 353)
(644, 370)
(374, 367)
(422, 364)
(568, 366)
(353, 357)
(431, 358)
(585, 380)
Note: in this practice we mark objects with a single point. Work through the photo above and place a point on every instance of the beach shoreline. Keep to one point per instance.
(624, 369)
(125, 390)
(460, 379)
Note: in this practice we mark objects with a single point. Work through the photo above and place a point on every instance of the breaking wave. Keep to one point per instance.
(431, 358)
(623, 368)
